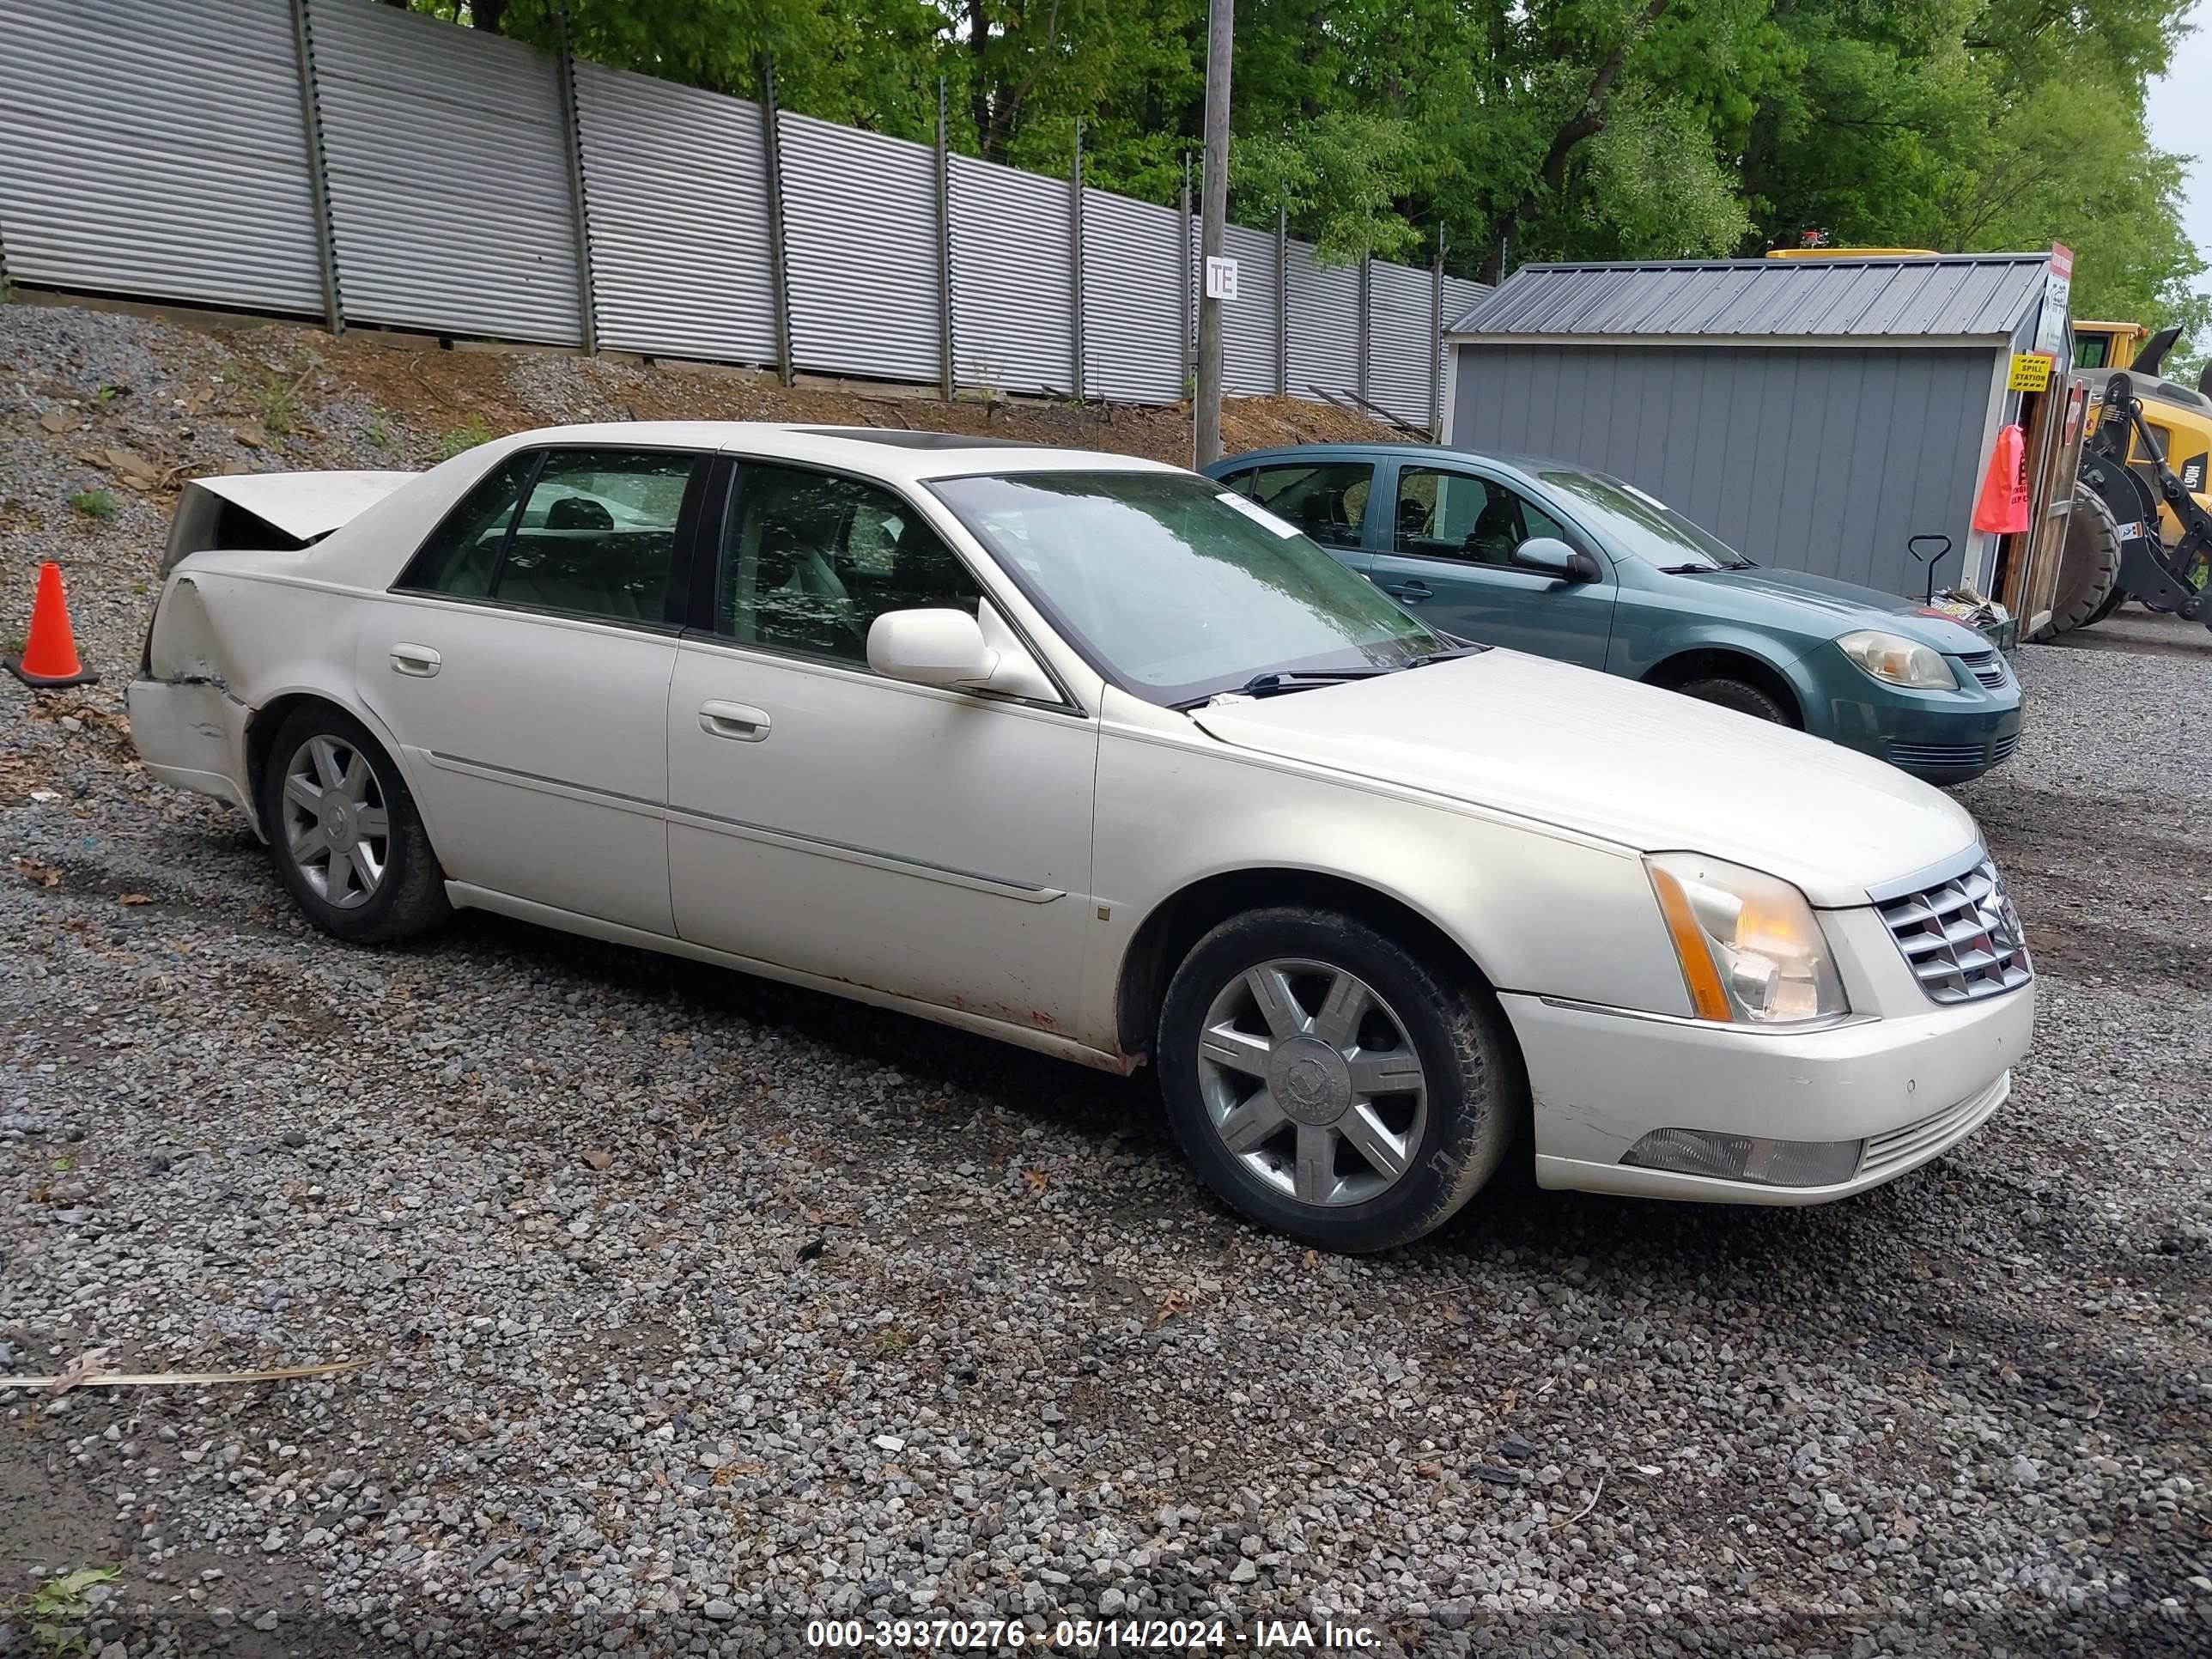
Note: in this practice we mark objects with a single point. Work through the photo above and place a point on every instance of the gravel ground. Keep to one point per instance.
(687, 1308)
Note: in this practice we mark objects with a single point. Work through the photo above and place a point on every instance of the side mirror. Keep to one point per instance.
(930, 647)
(1548, 556)
(953, 649)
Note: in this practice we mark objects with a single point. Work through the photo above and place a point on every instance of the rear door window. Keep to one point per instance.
(582, 532)
(1327, 499)
(463, 553)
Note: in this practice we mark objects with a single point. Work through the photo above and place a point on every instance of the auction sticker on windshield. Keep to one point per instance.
(1259, 514)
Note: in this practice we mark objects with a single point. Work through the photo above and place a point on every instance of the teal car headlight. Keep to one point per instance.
(1895, 661)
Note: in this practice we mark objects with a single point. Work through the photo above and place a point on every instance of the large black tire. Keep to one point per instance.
(2088, 566)
(409, 894)
(1473, 1103)
(1741, 695)
(2113, 601)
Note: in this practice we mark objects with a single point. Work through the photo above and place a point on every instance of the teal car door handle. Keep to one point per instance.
(1411, 593)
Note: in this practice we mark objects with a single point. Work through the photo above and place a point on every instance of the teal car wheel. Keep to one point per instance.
(1742, 696)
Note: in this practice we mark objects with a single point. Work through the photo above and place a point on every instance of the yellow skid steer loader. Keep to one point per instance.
(2148, 535)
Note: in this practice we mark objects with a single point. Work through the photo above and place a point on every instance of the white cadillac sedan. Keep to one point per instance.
(1088, 754)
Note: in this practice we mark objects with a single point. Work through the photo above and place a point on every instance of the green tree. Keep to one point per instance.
(1513, 129)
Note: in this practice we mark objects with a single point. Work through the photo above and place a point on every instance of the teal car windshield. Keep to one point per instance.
(1636, 523)
(1175, 587)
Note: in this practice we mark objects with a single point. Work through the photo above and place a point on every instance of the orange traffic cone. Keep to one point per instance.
(49, 656)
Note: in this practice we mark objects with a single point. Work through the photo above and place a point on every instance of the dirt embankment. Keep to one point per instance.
(149, 400)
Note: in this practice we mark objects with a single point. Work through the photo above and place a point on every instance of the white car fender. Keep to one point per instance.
(1535, 909)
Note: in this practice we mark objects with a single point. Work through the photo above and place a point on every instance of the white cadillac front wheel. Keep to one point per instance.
(1332, 1084)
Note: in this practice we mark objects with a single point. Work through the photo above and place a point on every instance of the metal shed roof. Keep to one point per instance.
(1942, 299)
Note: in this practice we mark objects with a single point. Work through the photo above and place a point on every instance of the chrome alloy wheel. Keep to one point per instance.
(335, 822)
(1310, 1079)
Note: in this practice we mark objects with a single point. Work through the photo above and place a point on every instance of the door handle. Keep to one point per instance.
(740, 721)
(1411, 593)
(420, 660)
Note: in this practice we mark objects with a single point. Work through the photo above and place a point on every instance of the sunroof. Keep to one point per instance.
(914, 440)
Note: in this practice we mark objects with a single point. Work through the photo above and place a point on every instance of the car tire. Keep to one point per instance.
(1725, 692)
(358, 862)
(2088, 567)
(1399, 1091)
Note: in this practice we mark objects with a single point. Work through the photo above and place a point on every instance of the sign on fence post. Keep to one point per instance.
(1220, 279)
(2057, 294)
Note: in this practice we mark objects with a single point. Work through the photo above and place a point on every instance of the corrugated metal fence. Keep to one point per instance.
(361, 164)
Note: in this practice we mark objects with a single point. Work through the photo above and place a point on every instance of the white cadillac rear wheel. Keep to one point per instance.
(336, 826)
(344, 831)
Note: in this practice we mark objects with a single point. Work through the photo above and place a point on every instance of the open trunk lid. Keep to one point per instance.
(278, 511)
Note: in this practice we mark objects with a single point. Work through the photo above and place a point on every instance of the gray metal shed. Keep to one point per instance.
(1814, 413)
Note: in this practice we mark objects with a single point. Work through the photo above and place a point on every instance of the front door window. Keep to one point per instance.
(1446, 514)
(810, 560)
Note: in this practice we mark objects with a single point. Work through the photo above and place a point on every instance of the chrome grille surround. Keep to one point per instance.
(1959, 935)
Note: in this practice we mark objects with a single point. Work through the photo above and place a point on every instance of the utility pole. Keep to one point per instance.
(1213, 213)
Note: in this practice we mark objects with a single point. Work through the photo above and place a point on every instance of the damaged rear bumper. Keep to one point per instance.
(190, 733)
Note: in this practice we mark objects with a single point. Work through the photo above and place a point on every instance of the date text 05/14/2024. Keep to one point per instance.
(1082, 1635)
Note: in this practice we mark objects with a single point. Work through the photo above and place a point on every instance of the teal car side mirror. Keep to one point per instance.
(1548, 556)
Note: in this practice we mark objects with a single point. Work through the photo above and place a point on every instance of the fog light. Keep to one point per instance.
(1746, 1157)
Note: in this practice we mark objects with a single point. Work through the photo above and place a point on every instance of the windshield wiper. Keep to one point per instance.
(1274, 682)
(1706, 570)
(1464, 648)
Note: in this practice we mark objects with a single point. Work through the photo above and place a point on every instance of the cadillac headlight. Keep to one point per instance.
(1895, 661)
(1751, 948)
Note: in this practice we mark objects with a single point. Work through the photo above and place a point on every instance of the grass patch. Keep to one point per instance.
(277, 402)
(55, 1612)
(379, 431)
(278, 405)
(460, 440)
(93, 503)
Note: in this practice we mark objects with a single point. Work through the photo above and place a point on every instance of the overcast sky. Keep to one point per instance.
(2181, 120)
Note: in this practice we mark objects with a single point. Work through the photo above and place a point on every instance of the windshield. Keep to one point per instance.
(1637, 525)
(1175, 587)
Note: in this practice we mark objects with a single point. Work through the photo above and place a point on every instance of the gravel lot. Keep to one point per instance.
(687, 1308)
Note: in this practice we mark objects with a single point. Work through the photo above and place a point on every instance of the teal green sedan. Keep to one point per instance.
(1556, 560)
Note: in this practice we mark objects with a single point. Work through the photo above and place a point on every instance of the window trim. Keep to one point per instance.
(708, 581)
(676, 597)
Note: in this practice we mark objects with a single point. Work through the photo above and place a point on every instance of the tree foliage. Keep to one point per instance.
(1513, 129)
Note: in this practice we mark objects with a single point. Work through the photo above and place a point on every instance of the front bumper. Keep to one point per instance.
(1939, 737)
(1909, 1085)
